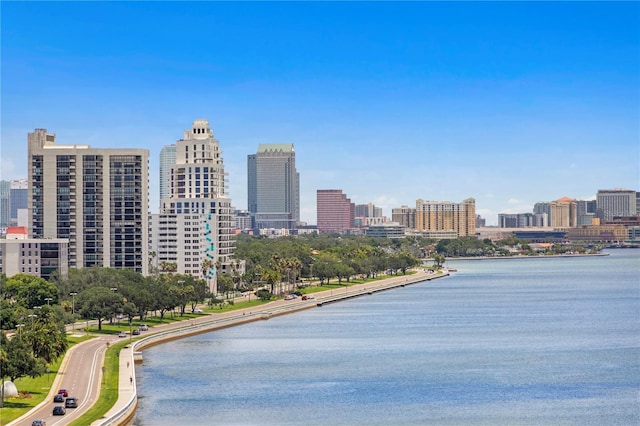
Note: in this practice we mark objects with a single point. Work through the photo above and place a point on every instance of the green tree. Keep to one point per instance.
(99, 303)
(47, 334)
(29, 290)
(19, 359)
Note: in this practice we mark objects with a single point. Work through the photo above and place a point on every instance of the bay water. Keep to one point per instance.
(534, 341)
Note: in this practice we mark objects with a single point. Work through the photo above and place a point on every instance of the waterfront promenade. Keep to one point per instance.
(124, 408)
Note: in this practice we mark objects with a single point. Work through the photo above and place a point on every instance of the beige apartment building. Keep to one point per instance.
(97, 198)
(446, 216)
(564, 213)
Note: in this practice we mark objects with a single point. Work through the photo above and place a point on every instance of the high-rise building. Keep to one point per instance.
(196, 221)
(586, 212)
(405, 216)
(541, 213)
(445, 216)
(273, 187)
(616, 202)
(335, 211)
(96, 198)
(368, 210)
(167, 159)
(516, 220)
(5, 204)
(564, 213)
(18, 198)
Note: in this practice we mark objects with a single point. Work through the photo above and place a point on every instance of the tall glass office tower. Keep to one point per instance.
(167, 159)
(273, 187)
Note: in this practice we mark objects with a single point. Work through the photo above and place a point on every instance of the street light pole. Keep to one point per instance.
(48, 299)
(73, 308)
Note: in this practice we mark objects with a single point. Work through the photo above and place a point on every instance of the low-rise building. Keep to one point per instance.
(34, 256)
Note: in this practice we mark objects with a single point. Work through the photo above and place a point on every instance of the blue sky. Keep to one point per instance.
(508, 103)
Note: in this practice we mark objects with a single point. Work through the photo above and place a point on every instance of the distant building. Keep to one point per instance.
(386, 230)
(39, 257)
(5, 204)
(599, 233)
(517, 220)
(586, 212)
(542, 214)
(242, 220)
(616, 202)
(564, 213)
(537, 236)
(405, 216)
(367, 210)
(97, 198)
(273, 187)
(480, 222)
(335, 212)
(167, 159)
(447, 216)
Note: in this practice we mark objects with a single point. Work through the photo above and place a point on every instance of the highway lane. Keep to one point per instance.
(81, 375)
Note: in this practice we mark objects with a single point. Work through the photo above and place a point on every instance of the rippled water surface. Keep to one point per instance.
(500, 342)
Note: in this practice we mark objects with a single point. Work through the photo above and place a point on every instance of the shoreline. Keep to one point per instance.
(124, 409)
(541, 256)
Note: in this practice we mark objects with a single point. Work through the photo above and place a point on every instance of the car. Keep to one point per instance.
(144, 327)
(308, 297)
(58, 398)
(122, 334)
(38, 423)
(290, 297)
(136, 332)
(198, 311)
(59, 410)
(71, 402)
(63, 392)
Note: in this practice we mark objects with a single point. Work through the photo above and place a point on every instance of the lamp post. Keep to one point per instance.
(114, 289)
(32, 316)
(48, 299)
(73, 295)
(19, 327)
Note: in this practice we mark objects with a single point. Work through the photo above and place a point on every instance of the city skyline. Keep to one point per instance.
(508, 103)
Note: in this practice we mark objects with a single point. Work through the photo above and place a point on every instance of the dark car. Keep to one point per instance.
(58, 398)
(71, 402)
(136, 332)
(63, 392)
(59, 410)
(38, 423)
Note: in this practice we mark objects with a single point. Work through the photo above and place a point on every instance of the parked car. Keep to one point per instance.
(136, 332)
(290, 297)
(38, 423)
(308, 297)
(58, 398)
(144, 327)
(198, 311)
(59, 410)
(122, 334)
(71, 402)
(63, 392)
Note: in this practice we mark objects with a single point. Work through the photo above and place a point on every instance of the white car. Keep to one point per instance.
(122, 334)
(290, 297)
